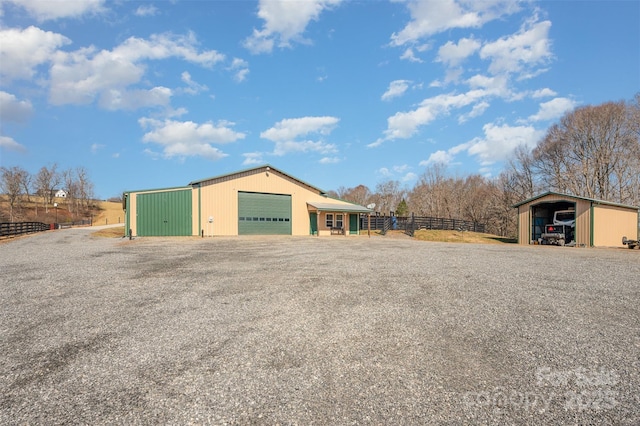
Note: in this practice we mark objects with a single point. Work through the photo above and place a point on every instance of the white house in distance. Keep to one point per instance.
(60, 193)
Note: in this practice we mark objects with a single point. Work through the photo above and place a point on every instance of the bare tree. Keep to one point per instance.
(13, 183)
(79, 189)
(359, 194)
(85, 188)
(388, 194)
(47, 180)
(427, 197)
(594, 151)
(70, 185)
(519, 175)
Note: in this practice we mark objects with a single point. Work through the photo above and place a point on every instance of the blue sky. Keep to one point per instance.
(337, 93)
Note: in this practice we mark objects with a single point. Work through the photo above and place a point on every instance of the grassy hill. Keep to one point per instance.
(109, 213)
(460, 237)
(33, 210)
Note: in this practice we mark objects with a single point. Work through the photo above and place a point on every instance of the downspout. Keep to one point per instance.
(127, 210)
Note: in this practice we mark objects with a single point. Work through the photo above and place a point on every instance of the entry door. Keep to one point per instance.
(353, 224)
(313, 223)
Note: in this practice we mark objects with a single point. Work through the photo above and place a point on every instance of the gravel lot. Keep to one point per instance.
(270, 330)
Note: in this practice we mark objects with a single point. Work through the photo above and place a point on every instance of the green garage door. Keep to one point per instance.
(164, 214)
(264, 214)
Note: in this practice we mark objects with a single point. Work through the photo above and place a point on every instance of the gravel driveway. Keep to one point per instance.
(315, 331)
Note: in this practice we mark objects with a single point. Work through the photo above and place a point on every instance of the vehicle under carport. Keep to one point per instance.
(542, 214)
(598, 223)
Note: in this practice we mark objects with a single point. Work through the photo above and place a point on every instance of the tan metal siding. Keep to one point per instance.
(197, 221)
(524, 224)
(583, 223)
(612, 223)
(133, 224)
(220, 200)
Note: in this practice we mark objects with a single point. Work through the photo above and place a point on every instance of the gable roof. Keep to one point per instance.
(592, 200)
(263, 168)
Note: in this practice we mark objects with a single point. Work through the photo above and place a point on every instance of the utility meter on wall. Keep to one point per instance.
(210, 219)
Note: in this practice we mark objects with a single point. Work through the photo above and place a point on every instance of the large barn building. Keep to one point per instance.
(598, 223)
(257, 201)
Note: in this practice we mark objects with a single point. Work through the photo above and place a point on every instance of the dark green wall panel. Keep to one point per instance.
(165, 213)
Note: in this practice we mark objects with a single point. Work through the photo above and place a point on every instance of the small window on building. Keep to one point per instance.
(242, 218)
(339, 221)
(329, 220)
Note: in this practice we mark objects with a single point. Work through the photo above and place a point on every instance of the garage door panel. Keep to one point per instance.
(264, 214)
(164, 214)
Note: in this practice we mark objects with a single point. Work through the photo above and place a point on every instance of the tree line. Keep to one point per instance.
(18, 185)
(593, 152)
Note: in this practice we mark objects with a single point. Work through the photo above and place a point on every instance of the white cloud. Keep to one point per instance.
(403, 125)
(385, 172)
(14, 110)
(95, 147)
(500, 141)
(44, 10)
(10, 144)
(252, 158)
(115, 99)
(543, 93)
(396, 89)
(453, 54)
(81, 76)
(402, 168)
(477, 110)
(284, 22)
(329, 160)
(497, 145)
(146, 10)
(408, 55)
(519, 52)
(241, 69)
(497, 85)
(553, 109)
(287, 147)
(438, 157)
(291, 128)
(193, 88)
(286, 134)
(186, 138)
(21, 51)
(394, 171)
(432, 17)
(409, 177)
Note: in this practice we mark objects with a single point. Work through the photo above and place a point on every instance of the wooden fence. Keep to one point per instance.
(413, 223)
(19, 228)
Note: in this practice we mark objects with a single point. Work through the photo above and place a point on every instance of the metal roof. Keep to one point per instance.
(337, 207)
(593, 200)
(264, 167)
